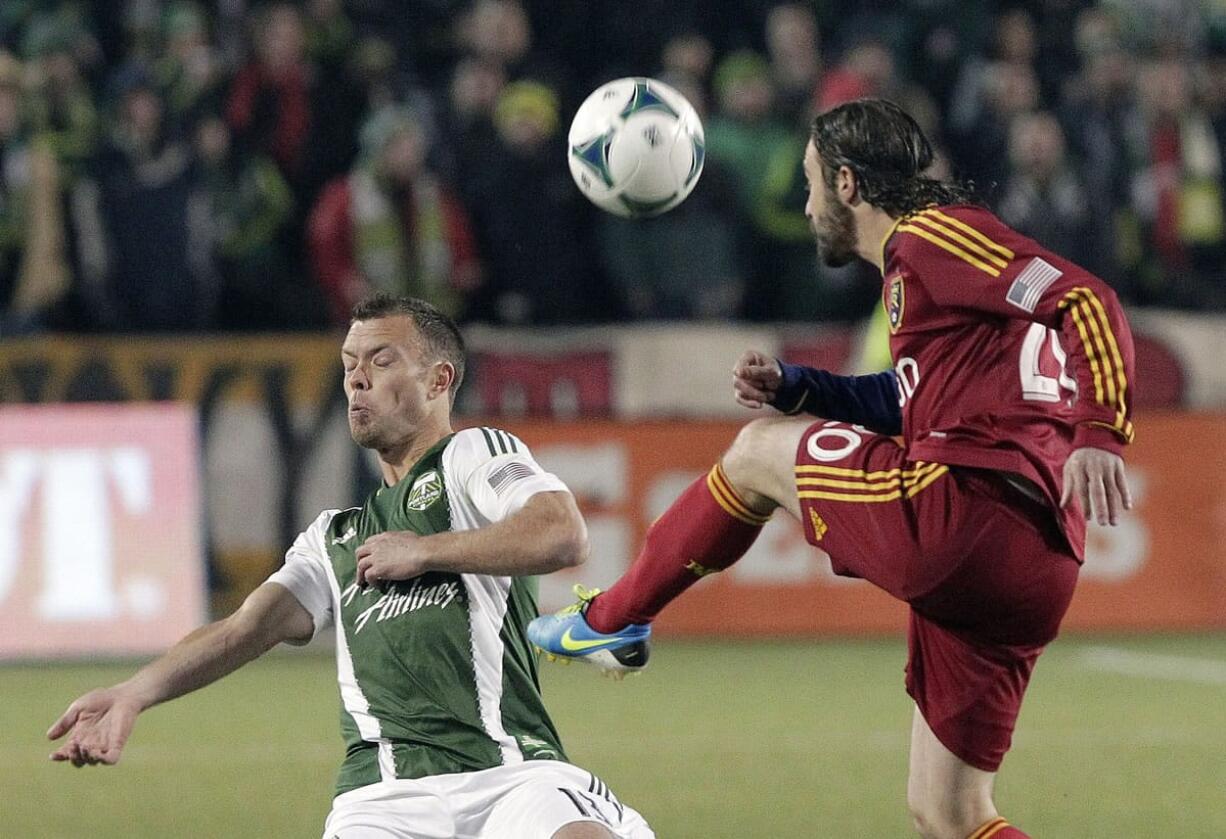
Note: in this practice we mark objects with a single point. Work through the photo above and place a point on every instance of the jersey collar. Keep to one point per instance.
(886, 240)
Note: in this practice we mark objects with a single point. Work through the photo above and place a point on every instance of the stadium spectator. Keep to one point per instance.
(1106, 133)
(14, 190)
(469, 118)
(688, 54)
(1042, 196)
(793, 43)
(144, 229)
(250, 205)
(866, 69)
(1178, 195)
(330, 35)
(499, 31)
(535, 229)
(188, 72)
(269, 107)
(982, 146)
(1013, 41)
(759, 152)
(59, 104)
(392, 225)
(34, 271)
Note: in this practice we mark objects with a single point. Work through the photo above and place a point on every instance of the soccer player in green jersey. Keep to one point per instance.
(424, 585)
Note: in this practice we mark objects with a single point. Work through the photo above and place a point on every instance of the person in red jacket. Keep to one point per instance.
(392, 225)
(1011, 393)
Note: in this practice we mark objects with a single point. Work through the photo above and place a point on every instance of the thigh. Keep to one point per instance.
(549, 796)
(898, 524)
(1017, 577)
(969, 691)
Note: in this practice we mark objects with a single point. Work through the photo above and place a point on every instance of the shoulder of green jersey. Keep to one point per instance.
(473, 447)
(313, 542)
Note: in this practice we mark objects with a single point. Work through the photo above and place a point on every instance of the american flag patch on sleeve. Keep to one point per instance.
(508, 475)
(1031, 283)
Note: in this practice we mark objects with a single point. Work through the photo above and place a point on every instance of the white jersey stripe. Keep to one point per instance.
(352, 698)
(387, 761)
(487, 599)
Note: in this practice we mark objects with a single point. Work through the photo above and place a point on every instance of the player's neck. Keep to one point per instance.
(872, 228)
(395, 463)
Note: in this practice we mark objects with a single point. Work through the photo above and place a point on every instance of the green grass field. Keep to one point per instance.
(1120, 737)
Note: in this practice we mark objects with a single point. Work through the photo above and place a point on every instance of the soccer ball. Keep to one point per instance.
(636, 147)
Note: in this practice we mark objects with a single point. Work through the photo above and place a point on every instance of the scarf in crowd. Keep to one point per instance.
(415, 262)
(1189, 192)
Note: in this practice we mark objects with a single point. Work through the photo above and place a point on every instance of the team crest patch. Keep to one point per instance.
(425, 491)
(895, 298)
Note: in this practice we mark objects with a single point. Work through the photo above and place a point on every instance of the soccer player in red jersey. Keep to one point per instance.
(1010, 392)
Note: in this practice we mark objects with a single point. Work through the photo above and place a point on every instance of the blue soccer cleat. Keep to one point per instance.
(565, 636)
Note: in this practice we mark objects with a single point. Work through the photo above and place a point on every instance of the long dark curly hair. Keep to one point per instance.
(887, 151)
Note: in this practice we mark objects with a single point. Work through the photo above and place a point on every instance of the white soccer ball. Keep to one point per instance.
(635, 147)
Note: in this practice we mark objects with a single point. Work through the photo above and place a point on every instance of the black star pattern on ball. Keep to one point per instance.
(645, 99)
(595, 154)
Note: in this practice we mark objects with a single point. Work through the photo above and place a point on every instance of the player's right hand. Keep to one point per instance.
(100, 723)
(756, 379)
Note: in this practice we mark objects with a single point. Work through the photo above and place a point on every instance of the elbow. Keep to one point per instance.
(570, 546)
(558, 534)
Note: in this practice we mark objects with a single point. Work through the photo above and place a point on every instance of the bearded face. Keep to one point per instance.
(835, 231)
(830, 219)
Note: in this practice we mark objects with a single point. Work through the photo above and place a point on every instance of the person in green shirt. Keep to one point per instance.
(426, 589)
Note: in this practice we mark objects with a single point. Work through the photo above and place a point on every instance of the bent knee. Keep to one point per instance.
(761, 459)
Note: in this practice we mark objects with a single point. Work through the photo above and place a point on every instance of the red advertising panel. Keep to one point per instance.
(1164, 567)
(100, 546)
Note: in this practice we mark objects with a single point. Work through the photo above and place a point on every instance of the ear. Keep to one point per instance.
(845, 186)
(442, 375)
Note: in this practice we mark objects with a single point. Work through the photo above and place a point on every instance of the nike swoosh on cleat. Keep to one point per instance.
(570, 644)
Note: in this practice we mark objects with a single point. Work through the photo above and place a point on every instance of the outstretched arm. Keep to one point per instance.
(870, 401)
(99, 723)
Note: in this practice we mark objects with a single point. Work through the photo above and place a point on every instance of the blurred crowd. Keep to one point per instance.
(240, 165)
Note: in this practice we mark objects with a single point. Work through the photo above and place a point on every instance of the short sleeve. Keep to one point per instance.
(495, 472)
(305, 573)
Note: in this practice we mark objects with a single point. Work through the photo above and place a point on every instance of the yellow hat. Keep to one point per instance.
(528, 99)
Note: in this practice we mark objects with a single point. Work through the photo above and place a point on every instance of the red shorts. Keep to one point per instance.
(986, 570)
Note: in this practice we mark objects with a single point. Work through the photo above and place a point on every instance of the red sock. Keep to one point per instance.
(997, 828)
(705, 530)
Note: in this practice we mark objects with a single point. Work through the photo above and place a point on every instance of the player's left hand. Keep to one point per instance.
(100, 723)
(1095, 477)
(397, 555)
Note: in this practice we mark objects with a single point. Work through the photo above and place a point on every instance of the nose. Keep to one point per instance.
(358, 379)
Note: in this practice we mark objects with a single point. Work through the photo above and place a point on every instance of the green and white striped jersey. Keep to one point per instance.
(436, 673)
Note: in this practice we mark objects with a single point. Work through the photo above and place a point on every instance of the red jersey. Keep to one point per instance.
(1007, 356)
